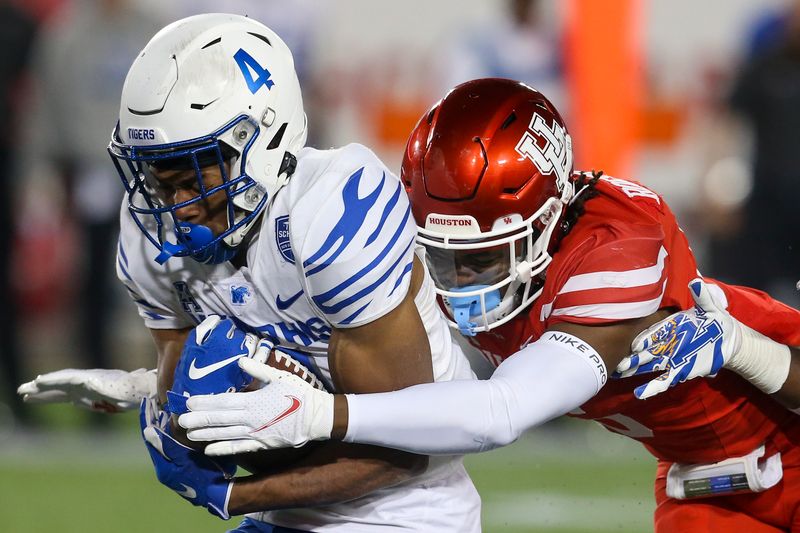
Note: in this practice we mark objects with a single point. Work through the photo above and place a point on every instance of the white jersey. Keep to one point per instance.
(334, 249)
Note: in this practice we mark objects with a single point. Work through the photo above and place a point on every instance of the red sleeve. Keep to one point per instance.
(616, 280)
(764, 314)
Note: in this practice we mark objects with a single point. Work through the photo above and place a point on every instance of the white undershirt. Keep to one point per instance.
(547, 379)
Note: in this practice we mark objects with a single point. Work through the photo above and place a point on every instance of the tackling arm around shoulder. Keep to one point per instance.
(548, 378)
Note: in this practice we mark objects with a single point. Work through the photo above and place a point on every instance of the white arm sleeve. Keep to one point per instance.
(547, 379)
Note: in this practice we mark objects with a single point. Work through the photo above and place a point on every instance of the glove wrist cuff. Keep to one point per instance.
(322, 425)
(761, 361)
(219, 495)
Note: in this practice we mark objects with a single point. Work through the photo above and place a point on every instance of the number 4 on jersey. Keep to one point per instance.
(249, 68)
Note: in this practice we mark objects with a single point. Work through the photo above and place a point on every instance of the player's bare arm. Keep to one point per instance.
(371, 358)
(789, 393)
(364, 359)
(169, 345)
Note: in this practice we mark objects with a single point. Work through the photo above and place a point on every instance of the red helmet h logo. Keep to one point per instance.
(555, 156)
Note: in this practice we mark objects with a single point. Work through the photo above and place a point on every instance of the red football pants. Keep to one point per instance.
(772, 511)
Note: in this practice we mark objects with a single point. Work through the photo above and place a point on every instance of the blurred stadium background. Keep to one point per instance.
(651, 90)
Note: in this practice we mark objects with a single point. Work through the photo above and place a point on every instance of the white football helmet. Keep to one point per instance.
(209, 89)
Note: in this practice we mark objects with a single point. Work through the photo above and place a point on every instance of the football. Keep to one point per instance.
(283, 361)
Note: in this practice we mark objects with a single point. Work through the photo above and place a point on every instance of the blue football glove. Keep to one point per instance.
(208, 361)
(200, 480)
(688, 344)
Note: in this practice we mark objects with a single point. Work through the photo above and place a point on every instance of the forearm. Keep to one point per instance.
(789, 393)
(336, 473)
(169, 344)
(543, 381)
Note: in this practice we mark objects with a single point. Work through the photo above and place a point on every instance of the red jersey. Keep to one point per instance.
(626, 258)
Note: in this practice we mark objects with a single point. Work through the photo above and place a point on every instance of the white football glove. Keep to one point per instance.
(96, 389)
(699, 342)
(286, 412)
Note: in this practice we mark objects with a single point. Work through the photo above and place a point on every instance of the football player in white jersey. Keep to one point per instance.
(228, 213)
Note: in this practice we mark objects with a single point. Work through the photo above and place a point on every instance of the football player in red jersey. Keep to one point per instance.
(552, 274)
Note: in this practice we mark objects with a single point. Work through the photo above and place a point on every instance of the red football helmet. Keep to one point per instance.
(488, 173)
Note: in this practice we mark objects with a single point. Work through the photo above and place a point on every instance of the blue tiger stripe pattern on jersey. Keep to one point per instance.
(355, 211)
(146, 309)
(354, 274)
(122, 261)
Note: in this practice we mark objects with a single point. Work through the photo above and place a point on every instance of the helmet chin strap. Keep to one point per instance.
(465, 307)
(194, 240)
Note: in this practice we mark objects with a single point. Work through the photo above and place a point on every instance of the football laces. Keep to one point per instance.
(295, 367)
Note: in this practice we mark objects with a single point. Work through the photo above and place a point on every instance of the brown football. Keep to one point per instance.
(282, 361)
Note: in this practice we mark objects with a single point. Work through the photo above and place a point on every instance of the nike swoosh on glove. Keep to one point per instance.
(202, 481)
(208, 362)
(287, 412)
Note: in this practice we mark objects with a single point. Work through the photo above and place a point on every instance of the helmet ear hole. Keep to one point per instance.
(228, 152)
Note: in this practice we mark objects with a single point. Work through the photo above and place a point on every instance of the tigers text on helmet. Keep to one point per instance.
(488, 173)
(212, 90)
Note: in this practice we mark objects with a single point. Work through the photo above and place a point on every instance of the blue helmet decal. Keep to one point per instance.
(250, 66)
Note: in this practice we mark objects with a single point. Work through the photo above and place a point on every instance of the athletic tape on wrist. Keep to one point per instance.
(761, 361)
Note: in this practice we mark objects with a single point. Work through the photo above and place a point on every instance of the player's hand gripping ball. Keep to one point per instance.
(208, 362)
